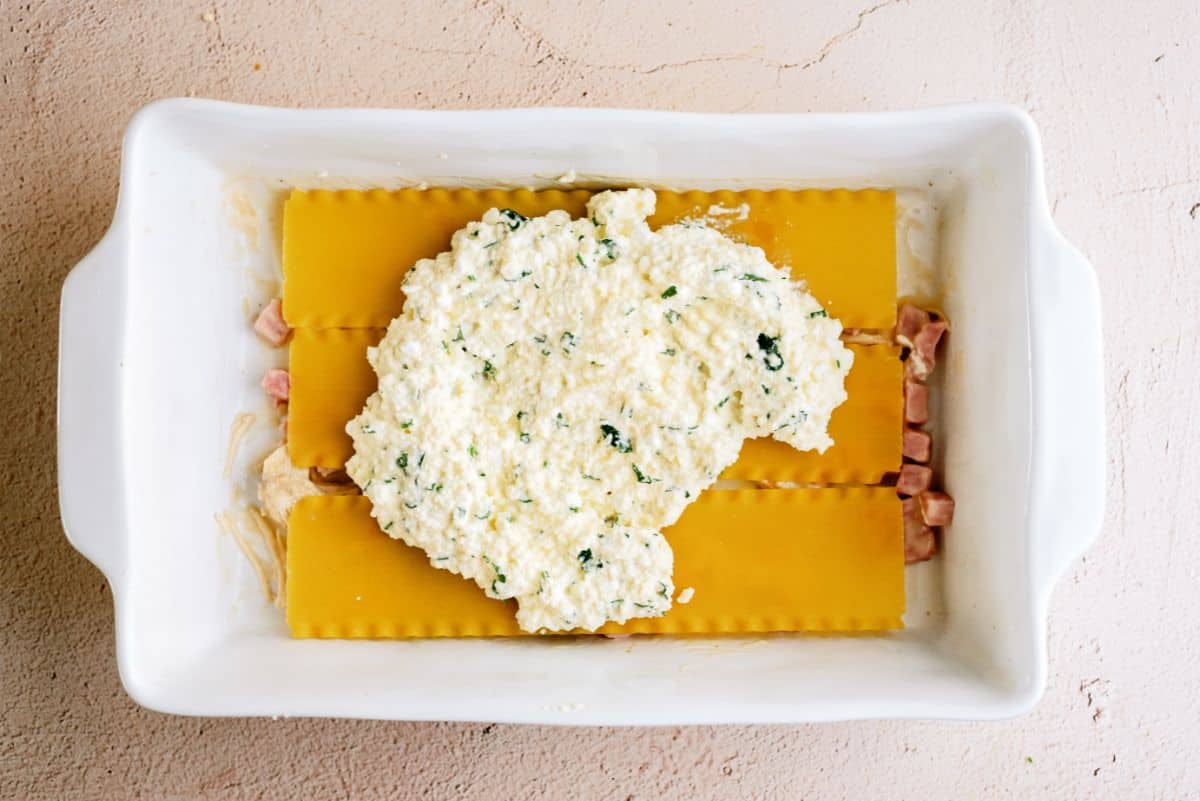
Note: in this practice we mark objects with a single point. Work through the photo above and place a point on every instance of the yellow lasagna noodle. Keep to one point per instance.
(828, 560)
(842, 243)
(331, 380)
(345, 253)
(866, 431)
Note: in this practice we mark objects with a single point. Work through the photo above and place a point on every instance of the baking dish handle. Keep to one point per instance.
(1067, 482)
(90, 340)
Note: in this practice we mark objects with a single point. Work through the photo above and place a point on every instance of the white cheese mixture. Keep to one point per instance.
(556, 391)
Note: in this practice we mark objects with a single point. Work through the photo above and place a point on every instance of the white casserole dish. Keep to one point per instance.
(156, 358)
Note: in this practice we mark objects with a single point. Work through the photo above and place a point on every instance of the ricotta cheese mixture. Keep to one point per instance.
(557, 391)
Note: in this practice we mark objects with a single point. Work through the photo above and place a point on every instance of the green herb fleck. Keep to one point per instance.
(818, 313)
(724, 401)
(515, 219)
(489, 244)
(406, 425)
(579, 259)
(672, 316)
(524, 436)
(642, 477)
(670, 292)
(615, 438)
(669, 352)
(766, 389)
(560, 421)
(489, 372)
(402, 462)
(751, 277)
(770, 348)
(589, 478)
(471, 451)
(610, 248)
(612, 519)
(573, 508)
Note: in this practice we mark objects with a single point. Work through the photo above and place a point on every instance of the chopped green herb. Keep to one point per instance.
(402, 462)
(560, 421)
(471, 451)
(579, 259)
(567, 340)
(524, 436)
(770, 348)
(751, 277)
(489, 244)
(615, 438)
(420, 460)
(388, 527)
(672, 316)
(407, 424)
(573, 508)
(514, 218)
(670, 292)
(612, 519)
(818, 313)
(642, 477)
(489, 372)
(724, 401)
(589, 478)
(610, 248)
(766, 389)
(669, 352)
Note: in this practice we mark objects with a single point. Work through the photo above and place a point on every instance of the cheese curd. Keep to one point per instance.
(557, 391)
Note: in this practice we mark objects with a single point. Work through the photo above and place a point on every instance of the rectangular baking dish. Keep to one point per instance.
(157, 357)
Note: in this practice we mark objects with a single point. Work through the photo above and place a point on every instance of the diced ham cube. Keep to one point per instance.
(918, 445)
(916, 402)
(909, 321)
(937, 508)
(270, 325)
(277, 384)
(919, 542)
(924, 350)
(914, 479)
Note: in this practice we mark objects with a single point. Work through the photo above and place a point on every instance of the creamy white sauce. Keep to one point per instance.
(557, 391)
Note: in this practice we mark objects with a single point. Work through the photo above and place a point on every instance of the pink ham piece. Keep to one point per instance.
(918, 445)
(277, 384)
(919, 542)
(909, 321)
(924, 350)
(926, 341)
(270, 325)
(916, 402)
(937, 508)
(914, 479)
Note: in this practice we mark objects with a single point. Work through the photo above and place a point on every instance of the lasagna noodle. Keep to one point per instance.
(828, 560)
(331, 380)
(867, 431)
(841, 243)
(345, 253)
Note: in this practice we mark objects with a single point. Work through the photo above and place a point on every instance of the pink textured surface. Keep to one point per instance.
(1112, 85)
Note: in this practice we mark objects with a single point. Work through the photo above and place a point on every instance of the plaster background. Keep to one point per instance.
(1113, 88)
